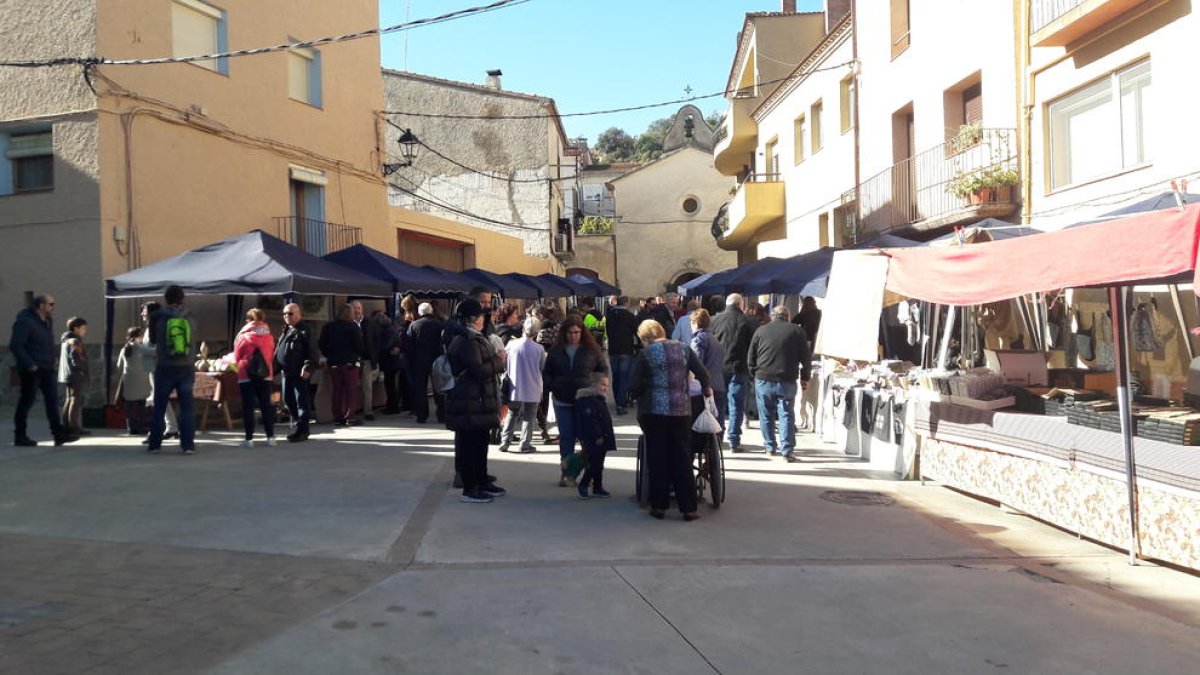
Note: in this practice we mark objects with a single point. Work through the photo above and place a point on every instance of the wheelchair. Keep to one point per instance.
(707, 463)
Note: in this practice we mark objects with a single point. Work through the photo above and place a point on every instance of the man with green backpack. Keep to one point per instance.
(172, 329)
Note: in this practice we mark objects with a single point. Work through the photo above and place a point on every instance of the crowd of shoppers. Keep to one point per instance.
(495, 370)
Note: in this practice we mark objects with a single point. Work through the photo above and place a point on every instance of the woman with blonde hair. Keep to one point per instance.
(255, 373)
(659, 382)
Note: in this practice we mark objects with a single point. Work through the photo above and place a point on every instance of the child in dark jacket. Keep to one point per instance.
(595, 434)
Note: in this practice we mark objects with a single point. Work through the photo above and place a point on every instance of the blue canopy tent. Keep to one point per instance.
(686, 287)
(404, 277)
(499, 283)
(572, 287)
(1163, 200)
(720, 283)
(544, 288)
(804, 274)
(254, 263)
(451, 277)
(599, 286)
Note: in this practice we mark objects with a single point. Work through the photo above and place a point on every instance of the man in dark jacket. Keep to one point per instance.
(297, 359)
(621, 326)
(777, 357)
(343, 349)
(35, 350)
(173, 331)
(733, 329)
(425, 341)
(473, 406)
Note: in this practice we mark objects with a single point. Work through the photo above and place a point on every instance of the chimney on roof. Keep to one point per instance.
(789, 6)
(835, 11)
(493, 79)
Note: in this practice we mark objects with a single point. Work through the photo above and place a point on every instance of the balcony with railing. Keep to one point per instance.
(960, 181)
(316, 236)
(756, 213)
(737, 137)
(1057, 23)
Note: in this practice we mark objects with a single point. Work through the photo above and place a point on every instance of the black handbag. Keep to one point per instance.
(1085, 339)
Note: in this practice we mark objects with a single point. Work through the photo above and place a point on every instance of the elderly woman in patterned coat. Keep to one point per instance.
(659, 382)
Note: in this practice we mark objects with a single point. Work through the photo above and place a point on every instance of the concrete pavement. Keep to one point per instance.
(350, 554)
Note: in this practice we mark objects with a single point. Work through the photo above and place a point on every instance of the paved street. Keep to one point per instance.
(354, 556)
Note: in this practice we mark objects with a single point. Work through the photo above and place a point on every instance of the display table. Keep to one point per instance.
(218, 390)
(1068, 475)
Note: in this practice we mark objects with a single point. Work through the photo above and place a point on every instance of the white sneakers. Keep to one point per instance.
(249, 442)
(271, 441)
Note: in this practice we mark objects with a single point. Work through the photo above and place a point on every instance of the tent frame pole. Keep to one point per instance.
(1118, 299)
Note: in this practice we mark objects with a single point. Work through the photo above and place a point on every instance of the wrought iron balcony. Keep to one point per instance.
(316, 236)
(919, 194)
(1060, 22)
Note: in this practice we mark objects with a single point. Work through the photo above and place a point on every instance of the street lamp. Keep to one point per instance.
(408, 142)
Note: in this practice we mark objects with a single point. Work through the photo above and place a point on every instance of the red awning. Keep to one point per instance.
(1147, 246)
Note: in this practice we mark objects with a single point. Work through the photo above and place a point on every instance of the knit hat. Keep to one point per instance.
(469, 309)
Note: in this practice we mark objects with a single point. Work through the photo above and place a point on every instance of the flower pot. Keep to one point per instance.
(1004, 194)
(981, 196)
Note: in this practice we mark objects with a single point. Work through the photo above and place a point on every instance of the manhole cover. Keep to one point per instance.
(857, 498)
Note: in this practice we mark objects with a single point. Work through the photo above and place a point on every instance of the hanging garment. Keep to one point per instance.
(1106, 357)
(1142, 330)
(1085, 338)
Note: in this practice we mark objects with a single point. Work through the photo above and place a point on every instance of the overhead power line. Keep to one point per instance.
(481, 172)
(329, 39)
(606, 111)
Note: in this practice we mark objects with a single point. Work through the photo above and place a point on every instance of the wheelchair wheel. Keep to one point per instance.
(642, 474)
(716, 472)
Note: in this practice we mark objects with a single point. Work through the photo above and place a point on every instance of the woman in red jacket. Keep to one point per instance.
(255, 374)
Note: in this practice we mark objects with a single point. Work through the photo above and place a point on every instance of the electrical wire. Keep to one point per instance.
(329, 39)
(474, 170)
(607, 111)
(434, 201)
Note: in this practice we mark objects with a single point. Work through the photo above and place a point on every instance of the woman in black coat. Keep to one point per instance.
(473, 405)
(570, 366)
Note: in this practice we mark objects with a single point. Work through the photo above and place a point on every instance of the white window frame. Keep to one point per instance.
(1116, 120)
(220, 42)
(311, 60)
(799, 131)
(816, 125)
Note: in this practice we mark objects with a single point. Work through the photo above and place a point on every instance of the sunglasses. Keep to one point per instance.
(288, 313)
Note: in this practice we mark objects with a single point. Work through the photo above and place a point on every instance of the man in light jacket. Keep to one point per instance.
(525, 361)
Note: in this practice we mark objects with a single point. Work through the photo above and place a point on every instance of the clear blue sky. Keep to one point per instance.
(585, 54)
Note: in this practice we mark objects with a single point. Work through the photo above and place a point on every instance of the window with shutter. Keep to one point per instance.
(973, 104)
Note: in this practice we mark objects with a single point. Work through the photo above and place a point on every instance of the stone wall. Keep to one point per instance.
(494, 168)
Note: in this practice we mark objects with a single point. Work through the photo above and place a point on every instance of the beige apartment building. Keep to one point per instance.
(875, 130)
(768, 46)
(122, 165)
(1106, 96)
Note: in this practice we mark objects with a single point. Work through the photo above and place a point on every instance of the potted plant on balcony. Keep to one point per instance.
(979, 186)
(970, 185)
(1001, 180)
(968, 136)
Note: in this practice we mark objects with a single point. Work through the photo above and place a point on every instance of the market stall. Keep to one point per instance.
(255, 264)
(1062, 456)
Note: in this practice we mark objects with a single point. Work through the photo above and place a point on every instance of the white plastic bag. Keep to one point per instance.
(706, 422)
